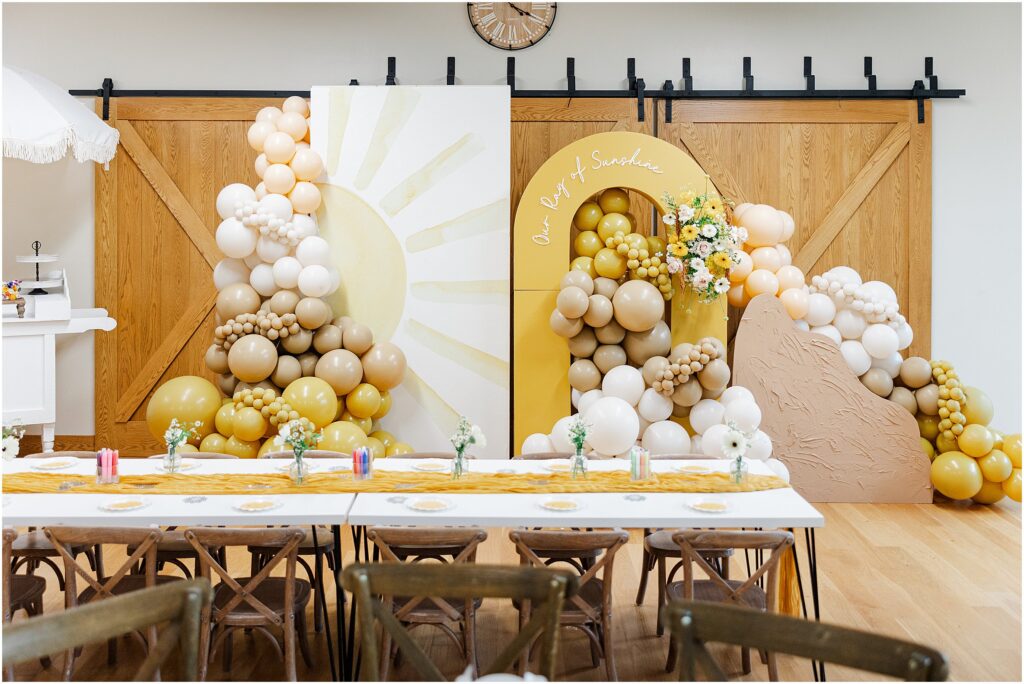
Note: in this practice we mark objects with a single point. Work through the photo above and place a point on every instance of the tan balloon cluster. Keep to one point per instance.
(702, 362)
(765, 265)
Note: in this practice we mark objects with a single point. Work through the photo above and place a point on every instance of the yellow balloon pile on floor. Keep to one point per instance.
(279, 351)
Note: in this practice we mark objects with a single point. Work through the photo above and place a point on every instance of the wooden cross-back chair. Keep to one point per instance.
(20, 592)
(447, 545)
(142, 541)
(543, 456)
(545, 589)
(694, 623)
(257, 602)
(177, 605)
(590, 610)
(200, 455)
(695, 544)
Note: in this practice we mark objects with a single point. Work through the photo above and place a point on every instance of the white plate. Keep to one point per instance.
(257, 505)
(560, 504)
(54, 463)
(185, 464)
(709, 505)
(283, 468)
(432, 466)
(558, 466)
(132, 503)
(428, 504)
(693, 469)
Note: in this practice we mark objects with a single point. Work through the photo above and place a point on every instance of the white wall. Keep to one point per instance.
(976, 141)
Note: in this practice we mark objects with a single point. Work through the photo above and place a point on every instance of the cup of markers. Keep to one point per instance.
(639, 464)
(106, 466)
(362, 464)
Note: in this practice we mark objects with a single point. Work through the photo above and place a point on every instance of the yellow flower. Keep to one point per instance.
(721, 260)
(685, 197)
(688, 232)
(713, 205)
(678, 249)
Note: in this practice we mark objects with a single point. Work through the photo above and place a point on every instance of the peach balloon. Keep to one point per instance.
(761, 281)
(258, 133)
(789, 277)
(738, 296)
(279, 147)
(279, 179)
(763, 257)
(384, 365)
(795, 301)
(764, 225)
(784, 254)
(261, 164)
(788, 226)
(296, 104)
(742, 268)
(740, 208)
(294, 124)
(270, 114)
(306, 164)
(305, 197)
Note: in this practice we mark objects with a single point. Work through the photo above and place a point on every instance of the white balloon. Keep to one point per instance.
(253, 260)
(574, 397)
(286, 272)
(855, 356)
(844, 275)
(588, 399)
(880, 341)
(696, 442)
(801, 324)
(712, 441)
(234, 239)
(270, 250)
(262, 279)
(231, 196)
(760, 446)
(905, 334)
(666, 437)
(878, 290)
(784, 254)
(304, 224)
(228, 272)
(624, 382)
(820, 310)
(654, 406)
(705, 414)
(644, 424)
(829, 331)
(890, 364)
(335, 280)
(313, 251)
(537, 443)
(850, 324)
(779, 468)
(735, 392)
(560, 436)
(276, 205)
(314, 281)
(744, 413)
(614, 425)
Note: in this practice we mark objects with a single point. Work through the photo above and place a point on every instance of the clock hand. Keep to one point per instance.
(523, 13)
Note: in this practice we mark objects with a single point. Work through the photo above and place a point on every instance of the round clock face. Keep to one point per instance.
(512, 25)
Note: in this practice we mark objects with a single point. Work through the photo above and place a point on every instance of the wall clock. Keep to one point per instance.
(512, 25)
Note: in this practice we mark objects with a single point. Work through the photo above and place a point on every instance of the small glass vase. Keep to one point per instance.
(738, 470)
(172, 460)
(459, 466)
(298, 470)
(578, 465)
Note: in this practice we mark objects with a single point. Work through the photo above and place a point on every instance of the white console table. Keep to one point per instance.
(29, 365)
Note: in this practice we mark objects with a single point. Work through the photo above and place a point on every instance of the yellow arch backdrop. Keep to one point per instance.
(541, 248)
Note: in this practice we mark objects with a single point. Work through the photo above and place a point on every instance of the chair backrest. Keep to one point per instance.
(545, 456)
(208, 540)
(312, 453)
(545, 588)
(693, 542)
(199, 455)
(680, 457)
(65, 454)
(693, 623)
(445, 455)
(10, 534)
(529, 542)
(178, 604)
(141, 541)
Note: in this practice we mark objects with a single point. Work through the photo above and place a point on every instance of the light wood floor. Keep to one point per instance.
(945, 575)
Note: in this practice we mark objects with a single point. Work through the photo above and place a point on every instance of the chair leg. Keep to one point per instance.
(112, 652)
(645, 570)
(608, 645)
(300, 624)
(670, 662)
(745, 656)
(317, 578)
(97, 551)
(595, 653)
(773, 668)
(662, 581)
(228, 645)
(289, 648)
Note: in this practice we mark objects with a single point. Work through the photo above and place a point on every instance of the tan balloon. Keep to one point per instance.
(605, 287)
(584, 375)
(915, 372)
(341, 369)
(927, 399)
(572, 302)
(216, 359)
(312, 312)
(643, 345)
(299, 342)
(715, 375)
(226, 383)
(288, 370)
(905, 398)
(717, 344)
(712, 393)
(584, 344)
(357, 338)
(638, 305)
(327, 338)
(563, 326)
(599, 311)
(343, 322)
(608, 356)
(653, 369)
(284, 302)
(237, 299)
(308, 363)
(578, 279)
(688, 393)
(613, 333)
(878, 381)
(252, 358)
(681, 351)
(306, 164)
(384, 365)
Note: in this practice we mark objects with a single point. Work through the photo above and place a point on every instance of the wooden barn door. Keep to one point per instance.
(155, 249)
(855, 175)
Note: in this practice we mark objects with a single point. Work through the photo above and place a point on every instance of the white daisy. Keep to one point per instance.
(734, 444)
(722, 285)
(669, 219)
(709, 230)
(685, 213)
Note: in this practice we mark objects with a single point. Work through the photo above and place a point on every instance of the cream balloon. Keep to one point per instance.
(764, 257)
(789, 277)
(795, 302)
(880, 341)
(654, 406)
(296, 104)
(279, 148)
(821, 310)
(705, 413)
(229, 272)
(537, 443)
(742, 268)
(614, 425)
(286, 272)
(314, 281)
(306, 164)
(292, 123)
(269, 114)
(560, 435)
(743, 413)
(666, 437)
(305, 197)
(764, 225)
(279, 178)
(713, 440)
(858, 360)
(232, 197)
(623, 382)
(735, 393)
(234, 239)
(258, 133)
(784, 255)
(760, 446)
(588, 398)
(890, 364)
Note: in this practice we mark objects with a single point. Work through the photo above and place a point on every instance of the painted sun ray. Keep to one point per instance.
(399, 106)
(484, 292)
(479, 221)
(340, 104)
(481, 363)
(422, 180)
(440, 411)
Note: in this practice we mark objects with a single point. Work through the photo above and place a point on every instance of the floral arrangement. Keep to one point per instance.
(11, 290)
(178, 433)
(12, 435)
(702, 245)
(735, 444)
(300, 435)
(578, 436)
(465, 434)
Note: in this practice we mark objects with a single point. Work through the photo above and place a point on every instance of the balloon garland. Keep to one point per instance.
(278, 350)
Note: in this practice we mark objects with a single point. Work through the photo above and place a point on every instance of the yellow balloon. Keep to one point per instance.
(956, 475)
(363, 401)
(213, 443)
(187, 449)
(928, 426)
(249, 424)
(313, 398)
(386, 438)
(614, 200)
(269, 447)
(1012, 485)
(944, 444)
(611, 224)
(1011, 447)
(188, 398)
(979, 408)
(587, 216)
(655, 245)
(975, 441)
(376, 447)
(637, 241)
(342, 436)
(399, 449)
(995, 466)
(927, 447)
(385, 405)
(587, 243)
(585, 264)
(364, 424)
(241, 448)
(225, 420)
(610, 264)
(990, 493)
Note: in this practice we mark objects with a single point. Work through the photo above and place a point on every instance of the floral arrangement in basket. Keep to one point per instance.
(702, 245)
(301, 436)
(177, 434)
(465, 434)
(12, 435)
(578, 430)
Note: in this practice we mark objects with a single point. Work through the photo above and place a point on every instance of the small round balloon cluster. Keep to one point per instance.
(764, 265)
(952, 400)
(640, 263)
(687, 361)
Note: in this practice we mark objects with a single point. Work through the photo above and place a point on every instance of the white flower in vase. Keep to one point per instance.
(734, 444)
(11, 447)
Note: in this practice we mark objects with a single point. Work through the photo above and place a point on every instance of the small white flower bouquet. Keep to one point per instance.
(578, 430)
(175, 436)
(12, 435)
(465, 434)
(735, 444)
